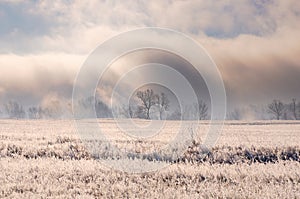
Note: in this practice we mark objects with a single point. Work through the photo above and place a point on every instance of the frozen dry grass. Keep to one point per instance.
(251, 160)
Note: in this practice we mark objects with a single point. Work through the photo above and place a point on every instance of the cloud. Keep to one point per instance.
(29, 78)
(77, 27)
(254, 43)
(257, 69)
(131, 70)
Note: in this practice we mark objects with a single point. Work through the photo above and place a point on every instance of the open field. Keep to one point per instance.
(46, 158)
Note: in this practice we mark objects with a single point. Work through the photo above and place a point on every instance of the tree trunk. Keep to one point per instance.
(148, 114)
(160, 114)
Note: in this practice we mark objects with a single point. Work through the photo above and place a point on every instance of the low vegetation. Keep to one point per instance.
(50, 161)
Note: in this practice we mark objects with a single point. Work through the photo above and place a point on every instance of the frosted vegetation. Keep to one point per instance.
(46, 158)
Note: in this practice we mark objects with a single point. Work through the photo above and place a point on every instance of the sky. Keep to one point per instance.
(255, 43)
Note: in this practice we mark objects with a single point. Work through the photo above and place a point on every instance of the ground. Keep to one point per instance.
(47, 159)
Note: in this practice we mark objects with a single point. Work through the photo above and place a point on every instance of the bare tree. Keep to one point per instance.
(127, 111)
(163, 104)
(294, 108)
(276, 108)
(140, 112)
(148, 99)
(235, 114)
(90, 105)
(130, 111)
(195, 111)
(14, 110)
(102, 110)
(298, 108)
(188, 112)
(35, 112)
(202, 110)
(53, 109)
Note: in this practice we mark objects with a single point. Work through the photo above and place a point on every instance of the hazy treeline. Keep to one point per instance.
(148, 105)
(55, 109)
(151, 105)
(275, 110)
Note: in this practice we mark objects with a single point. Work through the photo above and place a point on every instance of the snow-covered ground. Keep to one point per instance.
(47, 158)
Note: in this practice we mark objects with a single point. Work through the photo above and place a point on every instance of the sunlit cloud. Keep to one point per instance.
(254, 43)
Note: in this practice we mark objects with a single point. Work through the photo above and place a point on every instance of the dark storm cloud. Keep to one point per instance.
(174, 61)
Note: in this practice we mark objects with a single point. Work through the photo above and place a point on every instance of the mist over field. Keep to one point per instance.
(253, 43)
(149, 99)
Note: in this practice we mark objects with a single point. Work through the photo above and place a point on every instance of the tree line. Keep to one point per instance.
(148, 101)
(275, 110)
(282, 111)
(147, 105)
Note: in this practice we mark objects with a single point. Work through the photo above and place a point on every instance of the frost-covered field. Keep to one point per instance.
(250, 160)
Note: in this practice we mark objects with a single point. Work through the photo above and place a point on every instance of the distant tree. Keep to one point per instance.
(141, 112)
(130, 111)
(188, 112)
(285, 116)
(235, 114)
(163, 104)
(148, 99)
(294, 108)
(276, 108)
(202, 109)
(102, 110)
(86, 107)
(298, 108)
(53, 109)
(127, 111)
(35, 112)
(195, 111)
(14, 110)
(176, 115)
(89, 106)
